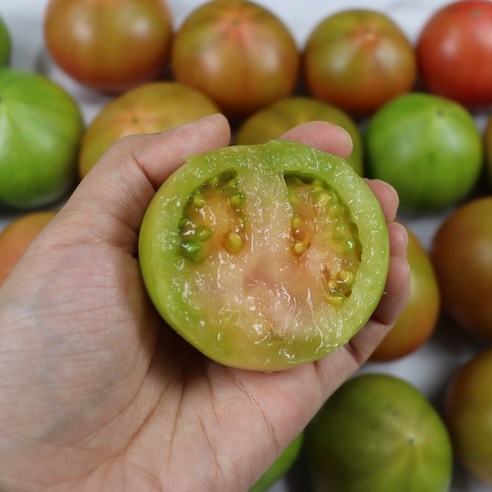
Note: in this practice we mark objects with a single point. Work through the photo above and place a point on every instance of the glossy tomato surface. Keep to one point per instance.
(462, 256)
(238, 53)
(428, 147)
(265, 257)
(357, 59)
(468, 411)
(378, 433)
(109, 45)
(419, 318)
(454, 52)
(275, 119)
(41, 130)
(148, 108)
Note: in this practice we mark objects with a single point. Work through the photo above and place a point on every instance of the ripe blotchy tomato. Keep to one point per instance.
(454, 52)
(378, 433)
(357, 60)
(275, 119)
(148, 108)
(462, 256)
(468, 407)
(109, 45)
(238, 53)
(419, 318)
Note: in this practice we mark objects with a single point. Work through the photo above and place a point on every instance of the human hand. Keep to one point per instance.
(97, 393)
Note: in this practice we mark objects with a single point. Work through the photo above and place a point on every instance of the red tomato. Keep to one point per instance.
(109, 45)
(419, 318)
(454, 52)
(358, 60)
(238, 53)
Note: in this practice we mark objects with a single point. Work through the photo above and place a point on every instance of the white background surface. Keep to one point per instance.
(430, 367)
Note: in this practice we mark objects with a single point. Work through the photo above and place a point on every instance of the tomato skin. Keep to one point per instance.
(462, 259)
(109, 45)
(36, 110)
(238, 53)
(378, 433)
(16, 237)
(468, 407)
(426, 146)
(419, 318)
(275, 119)
(148, 108)
(454, 52)
(358, 59)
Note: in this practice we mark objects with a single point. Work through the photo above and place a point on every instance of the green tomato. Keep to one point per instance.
(5, 44)
(280, 467)
(377, 433)
(427, 147)
(468, 410)
(265, 257)
(271, 122)
(41, 127)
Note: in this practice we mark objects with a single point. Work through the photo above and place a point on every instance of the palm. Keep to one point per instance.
(116, 392)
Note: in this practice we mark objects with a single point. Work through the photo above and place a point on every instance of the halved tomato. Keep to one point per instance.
(265, 257)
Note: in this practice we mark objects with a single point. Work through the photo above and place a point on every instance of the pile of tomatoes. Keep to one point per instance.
(410, 108)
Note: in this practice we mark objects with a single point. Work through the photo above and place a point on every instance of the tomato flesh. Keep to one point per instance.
(268, 287)
(262, 265)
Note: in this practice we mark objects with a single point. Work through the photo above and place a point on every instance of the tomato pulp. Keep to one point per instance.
(265, 257)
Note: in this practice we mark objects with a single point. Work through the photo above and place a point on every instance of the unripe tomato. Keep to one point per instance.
(378, 433)
(289, 243)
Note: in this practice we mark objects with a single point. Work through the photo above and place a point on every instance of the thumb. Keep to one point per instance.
(109, 203)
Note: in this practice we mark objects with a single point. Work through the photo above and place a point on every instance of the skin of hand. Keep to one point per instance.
(98, 394)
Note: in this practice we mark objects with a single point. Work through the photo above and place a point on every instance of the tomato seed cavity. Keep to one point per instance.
(214, 217)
